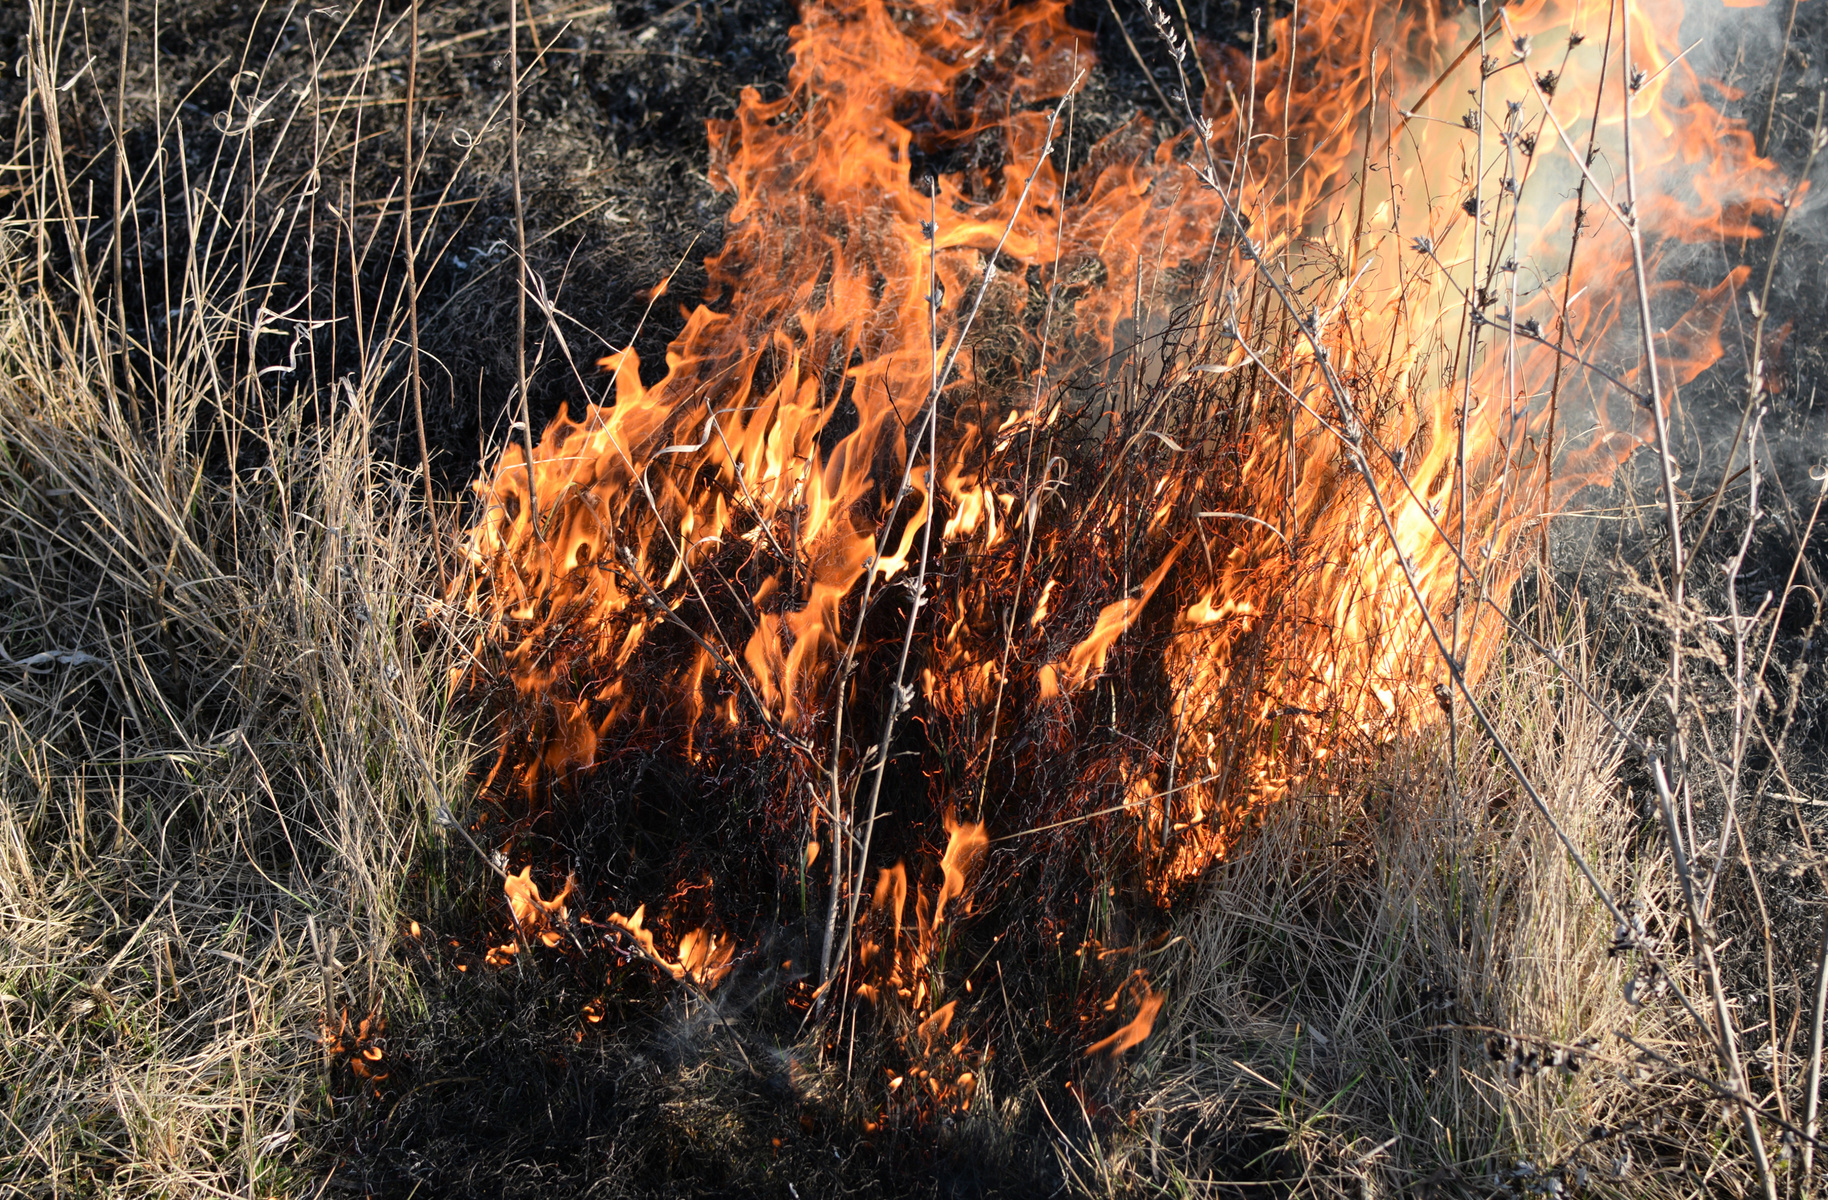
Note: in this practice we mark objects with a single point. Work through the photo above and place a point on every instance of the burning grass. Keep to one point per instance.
(980, 718)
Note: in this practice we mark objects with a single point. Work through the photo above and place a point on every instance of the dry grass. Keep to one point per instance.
(222, 743)
(224, 725)
(223, 738)
(1353, 973)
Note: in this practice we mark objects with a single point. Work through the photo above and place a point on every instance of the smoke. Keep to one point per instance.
(1761, 65)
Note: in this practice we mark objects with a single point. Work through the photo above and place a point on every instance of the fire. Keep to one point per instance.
(902, 965)
(705, 957)
(966, 845)
(1138, 1028)
(359, 1047)
(1239, 421)
(533, 917)
(897, 958)
(532, 914)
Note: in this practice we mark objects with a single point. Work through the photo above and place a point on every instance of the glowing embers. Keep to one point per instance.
(922, 995)
(941, 1075)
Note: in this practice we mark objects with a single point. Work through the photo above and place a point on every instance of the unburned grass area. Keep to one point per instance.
(251, 867)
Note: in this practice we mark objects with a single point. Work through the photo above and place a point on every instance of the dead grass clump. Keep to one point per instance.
(222, 740)
(222, 684)
(1406, 985)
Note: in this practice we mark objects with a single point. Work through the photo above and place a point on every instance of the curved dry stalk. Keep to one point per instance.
(1812, 1088)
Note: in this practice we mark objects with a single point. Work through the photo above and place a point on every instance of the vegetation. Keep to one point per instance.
(1577, 950)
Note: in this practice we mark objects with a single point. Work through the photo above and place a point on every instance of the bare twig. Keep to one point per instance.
(520, 277)
(1352, 434)
(1812, 1086)
(1631, 80)
(412, 300)
(1777, 84)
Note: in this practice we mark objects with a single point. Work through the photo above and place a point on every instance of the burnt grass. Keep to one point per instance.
(496, 1088)
(1613, 560)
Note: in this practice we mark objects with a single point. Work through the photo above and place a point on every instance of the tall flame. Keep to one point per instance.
(1283, 392)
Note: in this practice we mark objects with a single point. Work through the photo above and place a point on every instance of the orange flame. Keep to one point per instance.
(359, 1048)
(966, 845)
(1137, 1029)
(704, 957)
(1340, 466)
(531, 914)
(900, 966)
(902, 970)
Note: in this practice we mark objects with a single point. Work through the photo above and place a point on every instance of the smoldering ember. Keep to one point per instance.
(913, 597)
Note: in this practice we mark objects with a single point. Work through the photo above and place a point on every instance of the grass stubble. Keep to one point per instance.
(231, 758)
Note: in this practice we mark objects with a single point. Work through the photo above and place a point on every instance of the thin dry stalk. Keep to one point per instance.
(901, 696)
(522, 266)
(410, 254)
(1812, 1085)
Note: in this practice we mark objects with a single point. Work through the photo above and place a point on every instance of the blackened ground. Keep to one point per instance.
(1615, 558)
(496, 1096)
(613, 160)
